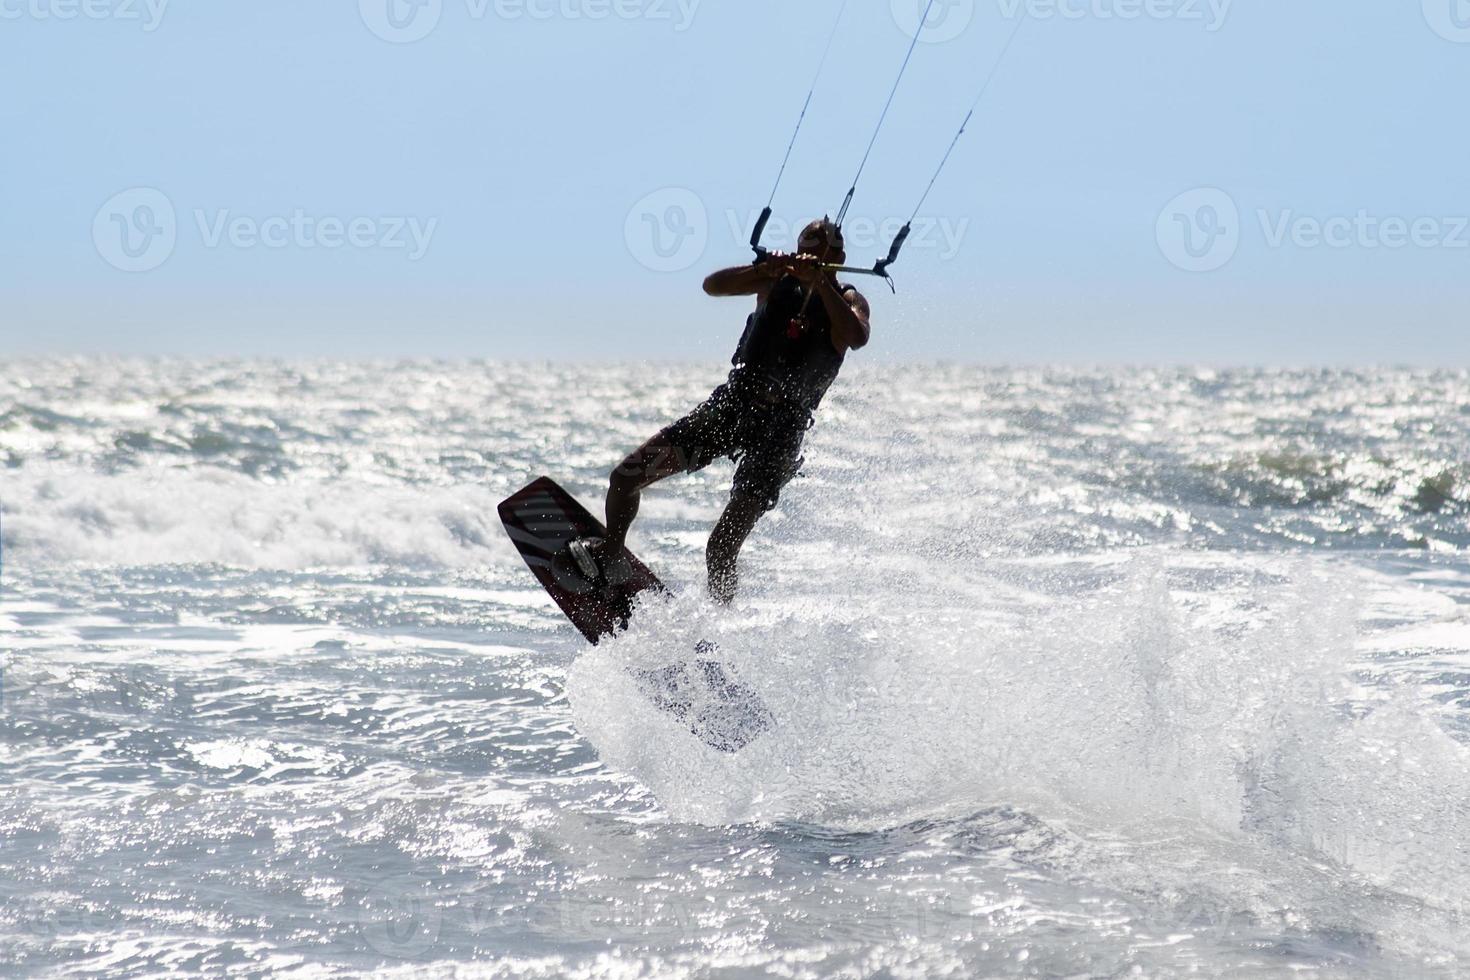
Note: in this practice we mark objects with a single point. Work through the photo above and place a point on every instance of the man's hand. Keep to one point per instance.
(757, 278)
(804, 268)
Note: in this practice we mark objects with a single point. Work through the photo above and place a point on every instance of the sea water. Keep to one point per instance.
(1075, 673)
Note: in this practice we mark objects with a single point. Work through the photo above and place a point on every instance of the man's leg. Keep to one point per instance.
(765, 468)
(735, 525)
(656, 459)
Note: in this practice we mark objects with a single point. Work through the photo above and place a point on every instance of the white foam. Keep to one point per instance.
(164, 515)
(1120, 707)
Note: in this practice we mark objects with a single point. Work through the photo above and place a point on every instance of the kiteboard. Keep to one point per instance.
(543, 520)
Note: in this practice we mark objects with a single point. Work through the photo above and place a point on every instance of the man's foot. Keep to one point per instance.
(722, 585)
(581, 550)
(597, 565)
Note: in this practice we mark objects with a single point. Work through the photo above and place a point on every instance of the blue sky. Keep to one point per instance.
(1144, 181)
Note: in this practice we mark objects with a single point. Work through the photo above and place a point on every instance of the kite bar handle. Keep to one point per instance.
(881, 266)
(755, 236)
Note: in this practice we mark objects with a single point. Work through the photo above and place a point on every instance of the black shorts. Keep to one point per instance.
(763, 439)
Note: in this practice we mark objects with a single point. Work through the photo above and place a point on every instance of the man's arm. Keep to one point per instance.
(849, 314)
(742, 280)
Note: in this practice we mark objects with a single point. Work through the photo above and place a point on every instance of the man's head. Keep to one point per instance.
(824, 238)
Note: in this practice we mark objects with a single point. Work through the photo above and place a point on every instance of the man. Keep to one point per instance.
(794, 344)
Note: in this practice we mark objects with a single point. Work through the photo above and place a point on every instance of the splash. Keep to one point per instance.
(1136, 705)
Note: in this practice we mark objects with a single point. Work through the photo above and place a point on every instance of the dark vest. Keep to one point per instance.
(801, 362)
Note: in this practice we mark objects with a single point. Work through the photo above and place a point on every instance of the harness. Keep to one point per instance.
(785, 358)
(769, 393)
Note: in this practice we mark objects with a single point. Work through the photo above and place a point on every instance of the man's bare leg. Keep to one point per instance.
(655, 460)
(725, 542)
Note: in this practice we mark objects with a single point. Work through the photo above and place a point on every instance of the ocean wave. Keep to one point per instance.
(162, 515)
(1076, 459)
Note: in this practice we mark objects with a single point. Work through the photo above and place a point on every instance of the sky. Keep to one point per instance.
(1143, 181)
